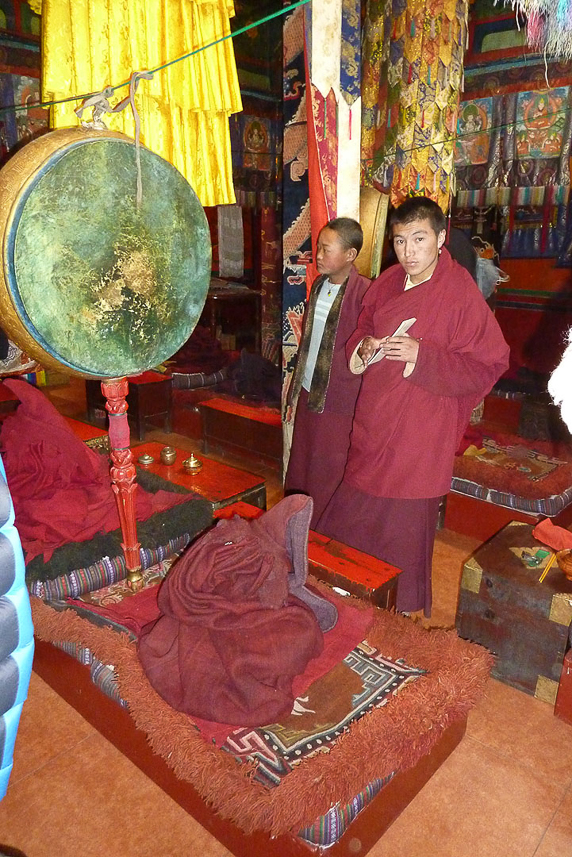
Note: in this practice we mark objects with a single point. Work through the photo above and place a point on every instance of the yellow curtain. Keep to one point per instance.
(184, 110)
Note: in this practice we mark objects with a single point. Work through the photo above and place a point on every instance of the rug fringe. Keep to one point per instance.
(389, 738)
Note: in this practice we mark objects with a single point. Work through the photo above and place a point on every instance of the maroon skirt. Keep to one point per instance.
(400, 532)
(318, 456)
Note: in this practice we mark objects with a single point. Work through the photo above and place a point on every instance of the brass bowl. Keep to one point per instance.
(168, 455)
(564, 560)
(192, 464)
(145, 460)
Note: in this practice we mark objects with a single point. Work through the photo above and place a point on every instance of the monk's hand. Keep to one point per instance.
(368, 347)
(403, 348)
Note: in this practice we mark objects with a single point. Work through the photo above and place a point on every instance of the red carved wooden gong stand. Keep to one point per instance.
(123, 474)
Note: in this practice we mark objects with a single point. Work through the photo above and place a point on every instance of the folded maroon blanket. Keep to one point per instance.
(237, 621)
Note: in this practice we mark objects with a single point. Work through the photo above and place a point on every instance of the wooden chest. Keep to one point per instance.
(503, 606)
(563, 708)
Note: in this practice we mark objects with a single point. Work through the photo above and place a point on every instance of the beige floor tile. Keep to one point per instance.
(93, 803)
(478, 804)
(525, 729)
(450, 553)
(557, 841)
(48, 727)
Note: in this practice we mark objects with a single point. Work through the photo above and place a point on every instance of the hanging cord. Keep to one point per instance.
(100, 105)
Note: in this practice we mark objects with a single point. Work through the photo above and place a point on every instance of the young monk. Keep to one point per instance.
(429, 349)
(323, 388)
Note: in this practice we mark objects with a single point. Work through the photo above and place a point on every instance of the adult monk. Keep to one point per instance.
(323, 388)
(418, 390)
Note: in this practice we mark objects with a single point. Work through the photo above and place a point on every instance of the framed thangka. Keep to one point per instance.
(473, 132)
(540, 123)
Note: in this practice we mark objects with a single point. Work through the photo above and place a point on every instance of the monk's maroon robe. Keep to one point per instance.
(321, 438)
(406, 429)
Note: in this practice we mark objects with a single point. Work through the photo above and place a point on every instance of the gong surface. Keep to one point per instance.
(97, 283)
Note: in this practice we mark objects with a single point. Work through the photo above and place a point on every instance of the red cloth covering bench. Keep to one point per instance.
(8, 400)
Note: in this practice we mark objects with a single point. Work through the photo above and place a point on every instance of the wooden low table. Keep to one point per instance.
(241, 427)
(218, 483)
(85, 431)
(338, 565)
(149, 398)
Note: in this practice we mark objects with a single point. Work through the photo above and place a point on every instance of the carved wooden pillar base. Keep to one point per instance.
(123, 475)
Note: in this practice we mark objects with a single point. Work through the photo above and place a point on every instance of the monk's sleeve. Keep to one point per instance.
(364, 323)
(471, 364)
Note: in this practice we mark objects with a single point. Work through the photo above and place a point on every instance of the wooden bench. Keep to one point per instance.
(243, 427)
(339, 565)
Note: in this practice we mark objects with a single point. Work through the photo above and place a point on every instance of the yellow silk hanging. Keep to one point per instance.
(184, 110)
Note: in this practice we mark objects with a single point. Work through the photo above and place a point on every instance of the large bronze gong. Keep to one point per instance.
(91, 281)
(98, 279)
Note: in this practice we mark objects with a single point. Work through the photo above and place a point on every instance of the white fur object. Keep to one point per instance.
(560, 384)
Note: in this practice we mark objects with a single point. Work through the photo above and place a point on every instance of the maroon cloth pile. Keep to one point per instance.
(232, 635)
(61, 488)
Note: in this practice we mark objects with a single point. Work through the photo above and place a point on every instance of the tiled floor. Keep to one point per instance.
(506, 790)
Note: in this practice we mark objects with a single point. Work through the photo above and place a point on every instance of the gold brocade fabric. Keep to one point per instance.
(413, 70)
(90, 44)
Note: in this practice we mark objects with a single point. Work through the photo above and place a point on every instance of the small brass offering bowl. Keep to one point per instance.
(145, 460)
(168, 454)
(192, 464)
(564, 560)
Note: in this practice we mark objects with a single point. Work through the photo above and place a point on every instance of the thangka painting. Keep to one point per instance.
(528, 150)
(256, 145)
(540, 123)
(256, 142)
(473, 132)
(20, 119)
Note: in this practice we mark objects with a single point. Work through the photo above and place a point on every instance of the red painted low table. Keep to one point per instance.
(356, 572)
(84, 431)
(217, 483)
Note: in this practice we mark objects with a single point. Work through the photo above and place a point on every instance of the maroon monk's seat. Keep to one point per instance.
(505, 477)
(252, 816)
